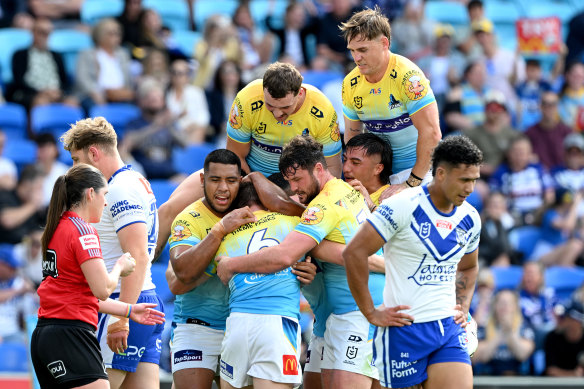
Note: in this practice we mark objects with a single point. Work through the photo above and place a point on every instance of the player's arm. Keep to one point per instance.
(134, 239)
(365, 243)
(332, 252)
(334, 164)
(175, 285)
(429, 134)
(189, 191)
(141, 313)
(352, 128)
(269, 259)
(242, 150)
(273, 197)
(466, 275)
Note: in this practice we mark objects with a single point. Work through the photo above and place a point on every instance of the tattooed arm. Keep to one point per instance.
(466, 276)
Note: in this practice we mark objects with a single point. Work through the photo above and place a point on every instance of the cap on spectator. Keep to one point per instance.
(574, 140)
(495, 97)
(7, 256)
(483, 25)
(442, 30)
(572, 309)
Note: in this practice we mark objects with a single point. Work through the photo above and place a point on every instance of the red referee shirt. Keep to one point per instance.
(64, 292)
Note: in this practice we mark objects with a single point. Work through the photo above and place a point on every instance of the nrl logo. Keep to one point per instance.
(425, 230)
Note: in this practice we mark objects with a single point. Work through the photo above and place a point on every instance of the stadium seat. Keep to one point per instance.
(11, 40)
(203, 9)
(191, 158)
(162, 190)
(564, 280)
(447, 12)
(507, 277)
(523, 239)
(118, 114)
(14, 357)
(54, 118)
(159, 279)
(20, 151)
(546, 8)
(320, 78)
(504, 14)
(475, 200)
(260, 10)
(13, 120)
(69, 43)
(186, 40)
(94, 10)
(174, 13)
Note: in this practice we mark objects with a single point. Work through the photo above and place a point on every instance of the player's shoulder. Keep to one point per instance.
(313, 94)
(196, 212)
(253, 91)
(75, 225)
(405, 201)
(471, 211)
(352, 80)
(403, 65)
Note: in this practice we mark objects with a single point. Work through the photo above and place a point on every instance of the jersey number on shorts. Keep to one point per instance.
(257, 241)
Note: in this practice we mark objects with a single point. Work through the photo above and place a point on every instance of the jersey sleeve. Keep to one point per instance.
(415, 90)
(127, 205)
(348, 107)
(87, 245)
(317, 221)
(391, 216)
(238, 123)
(329, 136)
(184, 231)
(475, 238)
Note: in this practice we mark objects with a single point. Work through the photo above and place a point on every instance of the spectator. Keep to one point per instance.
(130, 22)
(575, 38)
(496, 126)
(530, 93)
(9, 9)
(64, 13)
(103, 73)
(8, 172)
(151, 34)
(188, 104)
(480, 305)
(564, 347)
(506, 341)
(570, 175)
(526, 185)
(391, 8)
(494, 247)
(151, 138)
(537, 301)
(155, 66)
(466, 41)
(572, 96)
(29, 254)
(548, 135)
(47, 158)
(331, 44)
(413, 33)
(220, 98)
(39, 75)
(256, 48)
(12, 289)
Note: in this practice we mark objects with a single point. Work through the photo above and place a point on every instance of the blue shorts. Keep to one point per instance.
(402, 354)
(144, 342)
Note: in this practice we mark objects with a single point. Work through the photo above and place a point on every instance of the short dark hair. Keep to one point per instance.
(278, 179)
(374, 145)
(302, 152)
(533, 62)
(456, 150)
(282, 78)
(223, 156)
(45, 138)
(247, 195)
(30, 173)
(474, 4)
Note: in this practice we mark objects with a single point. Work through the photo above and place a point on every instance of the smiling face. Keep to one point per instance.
(369, 55)
(304, 184)
(357, 165)
(220, 184)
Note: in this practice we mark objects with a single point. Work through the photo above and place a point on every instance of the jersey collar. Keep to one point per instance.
(123, 168)
(427, 192)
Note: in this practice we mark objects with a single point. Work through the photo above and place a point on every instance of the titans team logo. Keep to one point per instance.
(179, 232)
(312, 215)
(425, 229)
(358, 100)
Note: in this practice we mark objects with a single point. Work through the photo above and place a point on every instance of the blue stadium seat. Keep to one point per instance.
(564, 280)
(94, 10)
(186, 40)
(14, 357)
(320, 78)
(504, 14)
(174, 13)
(260, 9)
(162, 190)
(545, 8)
(13, 120)
(54, 118)
(447, 12)
(69, 43)
(118, 114)
(21, 151)
(11, 40)
(203, 9)
(523, 239)
(159, 279)
(507, 277)
(191, 158)
(475, 200)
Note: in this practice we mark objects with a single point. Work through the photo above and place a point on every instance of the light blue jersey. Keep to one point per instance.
(315, 294)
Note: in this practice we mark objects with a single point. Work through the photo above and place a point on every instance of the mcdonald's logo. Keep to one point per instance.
(290, 365)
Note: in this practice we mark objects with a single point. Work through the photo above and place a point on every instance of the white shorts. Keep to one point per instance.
(348, 345)
(314, 354)
(260, 346)
(193, 346)
(401, 177)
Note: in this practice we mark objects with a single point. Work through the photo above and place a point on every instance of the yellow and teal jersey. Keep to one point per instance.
(208, 302)
(269, 294)
(335, 214)
(251, 122)
(375, 195)
(385, 107)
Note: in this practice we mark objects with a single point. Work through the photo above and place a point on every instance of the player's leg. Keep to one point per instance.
(312, 380)
(145, 377)
(227, 385)
(193, 378)
(235, 351)
(349, 380)
(312, 377)
(259, 383)
(453, 375)
(116, 377)
(99, 384)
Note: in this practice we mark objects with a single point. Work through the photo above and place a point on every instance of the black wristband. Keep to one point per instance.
(416, 177)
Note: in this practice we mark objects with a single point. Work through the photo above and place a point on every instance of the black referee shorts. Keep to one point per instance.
(66, 354)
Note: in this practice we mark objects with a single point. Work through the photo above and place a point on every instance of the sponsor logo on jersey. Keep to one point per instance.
(306, 132)
(89, 241)
(194, 214)
(50, 264)
(284, 123)
(444, 224)
(254, 278)
(393, 74)
(415, 85)
(394, 103)
(256, 105)
(354, 81)
(355, 338)
(226, 369)
(187, 356)
(352, 352)
(317, 113)
(57, 368)
(180, 232)
(335, 133)
(387, 213)
(290, 365)
(358, 101)
(375, 91)
(400, 369)
(312, 215)
(341, 203)
(433, 273)
(122, 206)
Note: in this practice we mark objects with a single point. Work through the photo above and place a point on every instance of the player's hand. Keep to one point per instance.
(393, 189)
(390, 317)
(236, 218)
(356, 184)
(144, 314)
(460, 316)
(305, 271)
(127, 263)
(117, 334)
(223, 271)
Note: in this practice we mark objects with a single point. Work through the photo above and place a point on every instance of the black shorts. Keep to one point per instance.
(66, 353)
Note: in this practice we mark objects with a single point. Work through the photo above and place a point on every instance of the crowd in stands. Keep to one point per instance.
(526, 113)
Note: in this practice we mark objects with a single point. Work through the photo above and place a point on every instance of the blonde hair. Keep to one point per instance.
(100, 28)
(90, 131)
(369, 24)
(493, 322)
